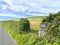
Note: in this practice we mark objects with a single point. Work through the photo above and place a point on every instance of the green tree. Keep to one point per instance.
(24, 25)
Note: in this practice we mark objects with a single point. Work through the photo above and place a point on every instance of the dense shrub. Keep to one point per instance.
(54, 21)
(24, 25)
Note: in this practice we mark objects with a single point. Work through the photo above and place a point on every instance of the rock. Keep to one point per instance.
(41, 31)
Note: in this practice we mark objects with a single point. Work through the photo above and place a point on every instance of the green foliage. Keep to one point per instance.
(24, 25)
(53, 28)
(30, 38)
(53, 25)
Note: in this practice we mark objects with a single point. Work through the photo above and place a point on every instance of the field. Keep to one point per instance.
(29, 38)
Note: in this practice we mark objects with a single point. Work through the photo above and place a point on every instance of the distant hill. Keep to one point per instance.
(37, 17)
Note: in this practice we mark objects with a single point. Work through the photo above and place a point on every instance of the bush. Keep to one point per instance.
(24, 25)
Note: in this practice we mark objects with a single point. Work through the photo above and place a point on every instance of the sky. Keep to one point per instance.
(12, 9)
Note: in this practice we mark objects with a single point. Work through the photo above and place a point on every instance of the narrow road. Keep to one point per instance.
(5, 39)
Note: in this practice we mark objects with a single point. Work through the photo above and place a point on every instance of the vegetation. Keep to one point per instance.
(24, 25)
(29, 38)
(53, 21)
(52, 29)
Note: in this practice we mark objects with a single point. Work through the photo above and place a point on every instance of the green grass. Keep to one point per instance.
(35, 23)
(26, 38)
(30, 38)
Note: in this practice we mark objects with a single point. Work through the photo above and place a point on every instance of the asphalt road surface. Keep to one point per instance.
(5, 39)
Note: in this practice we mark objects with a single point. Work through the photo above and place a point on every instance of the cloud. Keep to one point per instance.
(26, 8)
(37, 5)
(9, 15)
